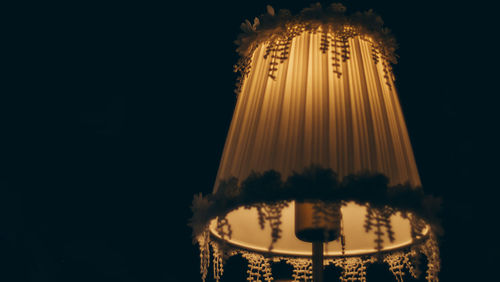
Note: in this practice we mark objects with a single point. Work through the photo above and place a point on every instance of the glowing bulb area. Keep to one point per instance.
(336, 108)
(247, 234)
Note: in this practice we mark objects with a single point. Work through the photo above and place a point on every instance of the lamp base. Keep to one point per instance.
(317, 221)
(317, 235)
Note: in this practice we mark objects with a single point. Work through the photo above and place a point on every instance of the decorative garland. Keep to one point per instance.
(400, 262)
(278, 30)
(270, 194)
(314, 183)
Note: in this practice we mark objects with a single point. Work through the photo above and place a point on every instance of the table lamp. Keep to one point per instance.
(317, 167)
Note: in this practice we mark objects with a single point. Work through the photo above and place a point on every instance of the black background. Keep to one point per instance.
(115, 113)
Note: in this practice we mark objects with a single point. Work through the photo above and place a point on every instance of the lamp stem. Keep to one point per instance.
(317, 261)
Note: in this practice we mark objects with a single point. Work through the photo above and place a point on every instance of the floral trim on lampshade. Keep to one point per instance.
(269, 194)
(277, 30)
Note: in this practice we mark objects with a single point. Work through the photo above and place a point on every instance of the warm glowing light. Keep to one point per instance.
(309, 115)
(318, 107)
(247, 233)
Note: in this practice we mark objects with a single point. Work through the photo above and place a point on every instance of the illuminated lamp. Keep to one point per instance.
(317, 168)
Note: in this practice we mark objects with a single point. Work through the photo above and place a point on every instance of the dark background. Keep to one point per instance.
(115, 113)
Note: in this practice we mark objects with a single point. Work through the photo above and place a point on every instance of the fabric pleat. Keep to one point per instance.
(308, 115)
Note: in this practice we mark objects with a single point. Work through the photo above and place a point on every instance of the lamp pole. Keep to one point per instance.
(317, 261)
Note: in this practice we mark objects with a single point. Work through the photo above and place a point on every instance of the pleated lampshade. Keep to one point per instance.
(317, 142)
